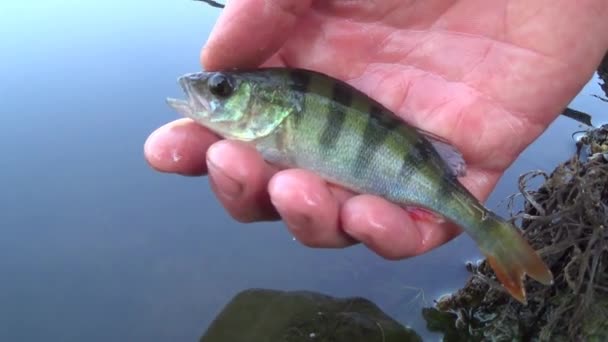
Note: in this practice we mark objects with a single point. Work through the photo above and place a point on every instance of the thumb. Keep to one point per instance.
(250, 31)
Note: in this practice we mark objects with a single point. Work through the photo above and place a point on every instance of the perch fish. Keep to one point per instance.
(304, 119)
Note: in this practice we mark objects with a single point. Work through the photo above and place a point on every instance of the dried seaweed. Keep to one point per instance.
(566, 220)
(602, 72)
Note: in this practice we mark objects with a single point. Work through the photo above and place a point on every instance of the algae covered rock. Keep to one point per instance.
(268, 315)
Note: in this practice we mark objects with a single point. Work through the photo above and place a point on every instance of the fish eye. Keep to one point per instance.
(221, 85)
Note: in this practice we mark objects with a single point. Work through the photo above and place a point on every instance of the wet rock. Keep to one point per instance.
(269, 315)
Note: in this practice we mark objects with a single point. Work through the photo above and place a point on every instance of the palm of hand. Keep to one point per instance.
(483, 75)
(484, 83)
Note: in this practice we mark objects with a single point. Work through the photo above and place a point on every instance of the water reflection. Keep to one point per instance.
(97, 246)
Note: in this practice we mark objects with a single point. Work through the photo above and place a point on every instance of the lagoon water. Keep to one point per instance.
(96, 246)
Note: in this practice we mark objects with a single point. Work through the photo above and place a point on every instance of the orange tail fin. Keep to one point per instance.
(511, 258)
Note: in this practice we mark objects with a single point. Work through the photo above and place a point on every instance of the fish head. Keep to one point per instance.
(233, 104)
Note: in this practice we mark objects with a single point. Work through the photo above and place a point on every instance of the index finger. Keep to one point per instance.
(248, 32)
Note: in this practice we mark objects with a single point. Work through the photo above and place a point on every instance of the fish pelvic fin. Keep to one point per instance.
(511, 258)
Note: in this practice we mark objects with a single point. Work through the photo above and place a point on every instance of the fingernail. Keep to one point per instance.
(225, 185)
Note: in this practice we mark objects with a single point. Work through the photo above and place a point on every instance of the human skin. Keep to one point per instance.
(489, 76)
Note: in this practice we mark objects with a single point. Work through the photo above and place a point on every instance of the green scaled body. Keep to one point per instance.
(303, 119)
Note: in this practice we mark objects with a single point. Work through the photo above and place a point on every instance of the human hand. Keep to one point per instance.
(487, 76)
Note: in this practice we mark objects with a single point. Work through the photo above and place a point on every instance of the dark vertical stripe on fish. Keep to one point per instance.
(407, 168)
(300, 80)
(445, 190)
(300, 83)
(342, 93)
(387, 119)
(337, 115)
(376, 131)
(416, 157)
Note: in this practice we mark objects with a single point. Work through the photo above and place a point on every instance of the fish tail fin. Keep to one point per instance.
(511, 258)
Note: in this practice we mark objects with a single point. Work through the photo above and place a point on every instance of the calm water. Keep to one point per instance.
(95, 246)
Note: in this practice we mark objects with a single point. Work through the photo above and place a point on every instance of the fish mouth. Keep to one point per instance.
(195, 103)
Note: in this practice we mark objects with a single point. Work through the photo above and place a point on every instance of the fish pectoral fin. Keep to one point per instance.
(448, 152)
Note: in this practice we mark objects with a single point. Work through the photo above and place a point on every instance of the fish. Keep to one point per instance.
(299, 118)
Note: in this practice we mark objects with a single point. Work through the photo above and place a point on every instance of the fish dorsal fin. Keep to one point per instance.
(450, 154)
